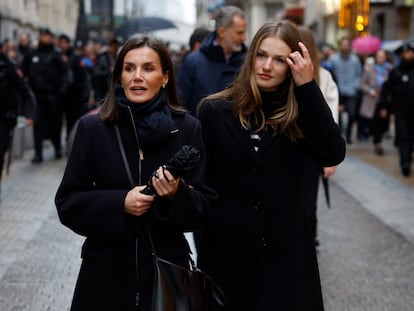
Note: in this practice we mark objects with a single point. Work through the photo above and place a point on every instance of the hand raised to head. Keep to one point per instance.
(301, 66)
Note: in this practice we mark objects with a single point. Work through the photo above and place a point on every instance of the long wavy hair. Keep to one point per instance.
(245, 93)
(109, 109)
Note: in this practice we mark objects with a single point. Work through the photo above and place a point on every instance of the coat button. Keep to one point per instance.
(258, 206)
(264, 241)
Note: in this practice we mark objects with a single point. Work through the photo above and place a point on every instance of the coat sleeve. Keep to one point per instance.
(385, 100)
(185, 81)
(330, 92)
(81, 205)
(323, 140)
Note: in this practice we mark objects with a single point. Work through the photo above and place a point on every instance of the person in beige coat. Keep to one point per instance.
(375, 73)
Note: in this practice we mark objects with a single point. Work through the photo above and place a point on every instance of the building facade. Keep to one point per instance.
(387, 19)
(18, 16)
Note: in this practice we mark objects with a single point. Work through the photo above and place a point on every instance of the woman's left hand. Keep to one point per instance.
(329, 171)
(164, 183)
(301, 67)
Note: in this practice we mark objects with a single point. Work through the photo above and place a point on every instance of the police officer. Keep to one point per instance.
(397, 98)
(48, 76)
(74, 101)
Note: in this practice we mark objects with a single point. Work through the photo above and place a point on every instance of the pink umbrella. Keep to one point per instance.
(366, 44)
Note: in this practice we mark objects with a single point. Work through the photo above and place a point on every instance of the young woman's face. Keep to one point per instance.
(270, 67)
(142, 76)
(380, 57)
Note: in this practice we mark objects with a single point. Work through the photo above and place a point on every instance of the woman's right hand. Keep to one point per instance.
(137, 203)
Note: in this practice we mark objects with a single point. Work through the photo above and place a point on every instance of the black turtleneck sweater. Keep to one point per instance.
(271, 101)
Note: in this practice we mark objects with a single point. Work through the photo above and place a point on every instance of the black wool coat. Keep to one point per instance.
(258, 245)
(117, 266)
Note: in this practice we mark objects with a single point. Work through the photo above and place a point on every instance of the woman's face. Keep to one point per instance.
(270, 67)
(142, 76)
(381, 57)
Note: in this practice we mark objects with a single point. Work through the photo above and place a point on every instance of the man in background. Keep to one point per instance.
(215, 65)
(102, 70)
(75, 99)
(347, 70)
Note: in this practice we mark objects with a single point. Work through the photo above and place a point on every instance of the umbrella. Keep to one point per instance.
(405, 46)
(366, 44)
(183, 162)
(391, 45)
(144, 24)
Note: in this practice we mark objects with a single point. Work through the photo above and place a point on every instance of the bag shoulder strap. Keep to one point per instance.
(128, 170)
(124, 158)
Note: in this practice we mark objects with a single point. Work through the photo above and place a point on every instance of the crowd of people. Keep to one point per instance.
(372, 88)
(68, 78)
(269, 120)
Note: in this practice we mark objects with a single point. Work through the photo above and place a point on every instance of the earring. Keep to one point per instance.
(163, 86)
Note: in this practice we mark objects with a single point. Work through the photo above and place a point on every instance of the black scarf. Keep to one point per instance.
(153, 120)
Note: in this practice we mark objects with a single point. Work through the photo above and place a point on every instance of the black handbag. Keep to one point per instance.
(178, 288)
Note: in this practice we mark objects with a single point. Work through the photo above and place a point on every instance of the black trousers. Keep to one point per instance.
(350, 104)
(5, 137)
(48, 123)
(73, 106)
(404, 128)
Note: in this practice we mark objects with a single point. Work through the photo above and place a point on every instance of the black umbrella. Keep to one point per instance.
(183, 162)
(143, 24)
(407, 44)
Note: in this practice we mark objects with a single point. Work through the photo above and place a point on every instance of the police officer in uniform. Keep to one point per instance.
(397, 98)
(48, 76)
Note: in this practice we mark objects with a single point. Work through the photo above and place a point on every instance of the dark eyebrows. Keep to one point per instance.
(275, 56)
(144, 64)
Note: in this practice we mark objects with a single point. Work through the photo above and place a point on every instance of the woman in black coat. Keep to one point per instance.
(96, 199)
(257, 244)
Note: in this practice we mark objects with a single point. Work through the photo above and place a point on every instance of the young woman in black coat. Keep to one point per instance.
(95, 198)
(258, 244)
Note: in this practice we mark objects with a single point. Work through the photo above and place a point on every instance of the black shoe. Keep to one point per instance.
(58, 154)
(37, 159)
(378, 150)
(406, 171)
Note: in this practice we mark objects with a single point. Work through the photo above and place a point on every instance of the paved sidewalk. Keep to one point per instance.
(40, 258)
(377, 183)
